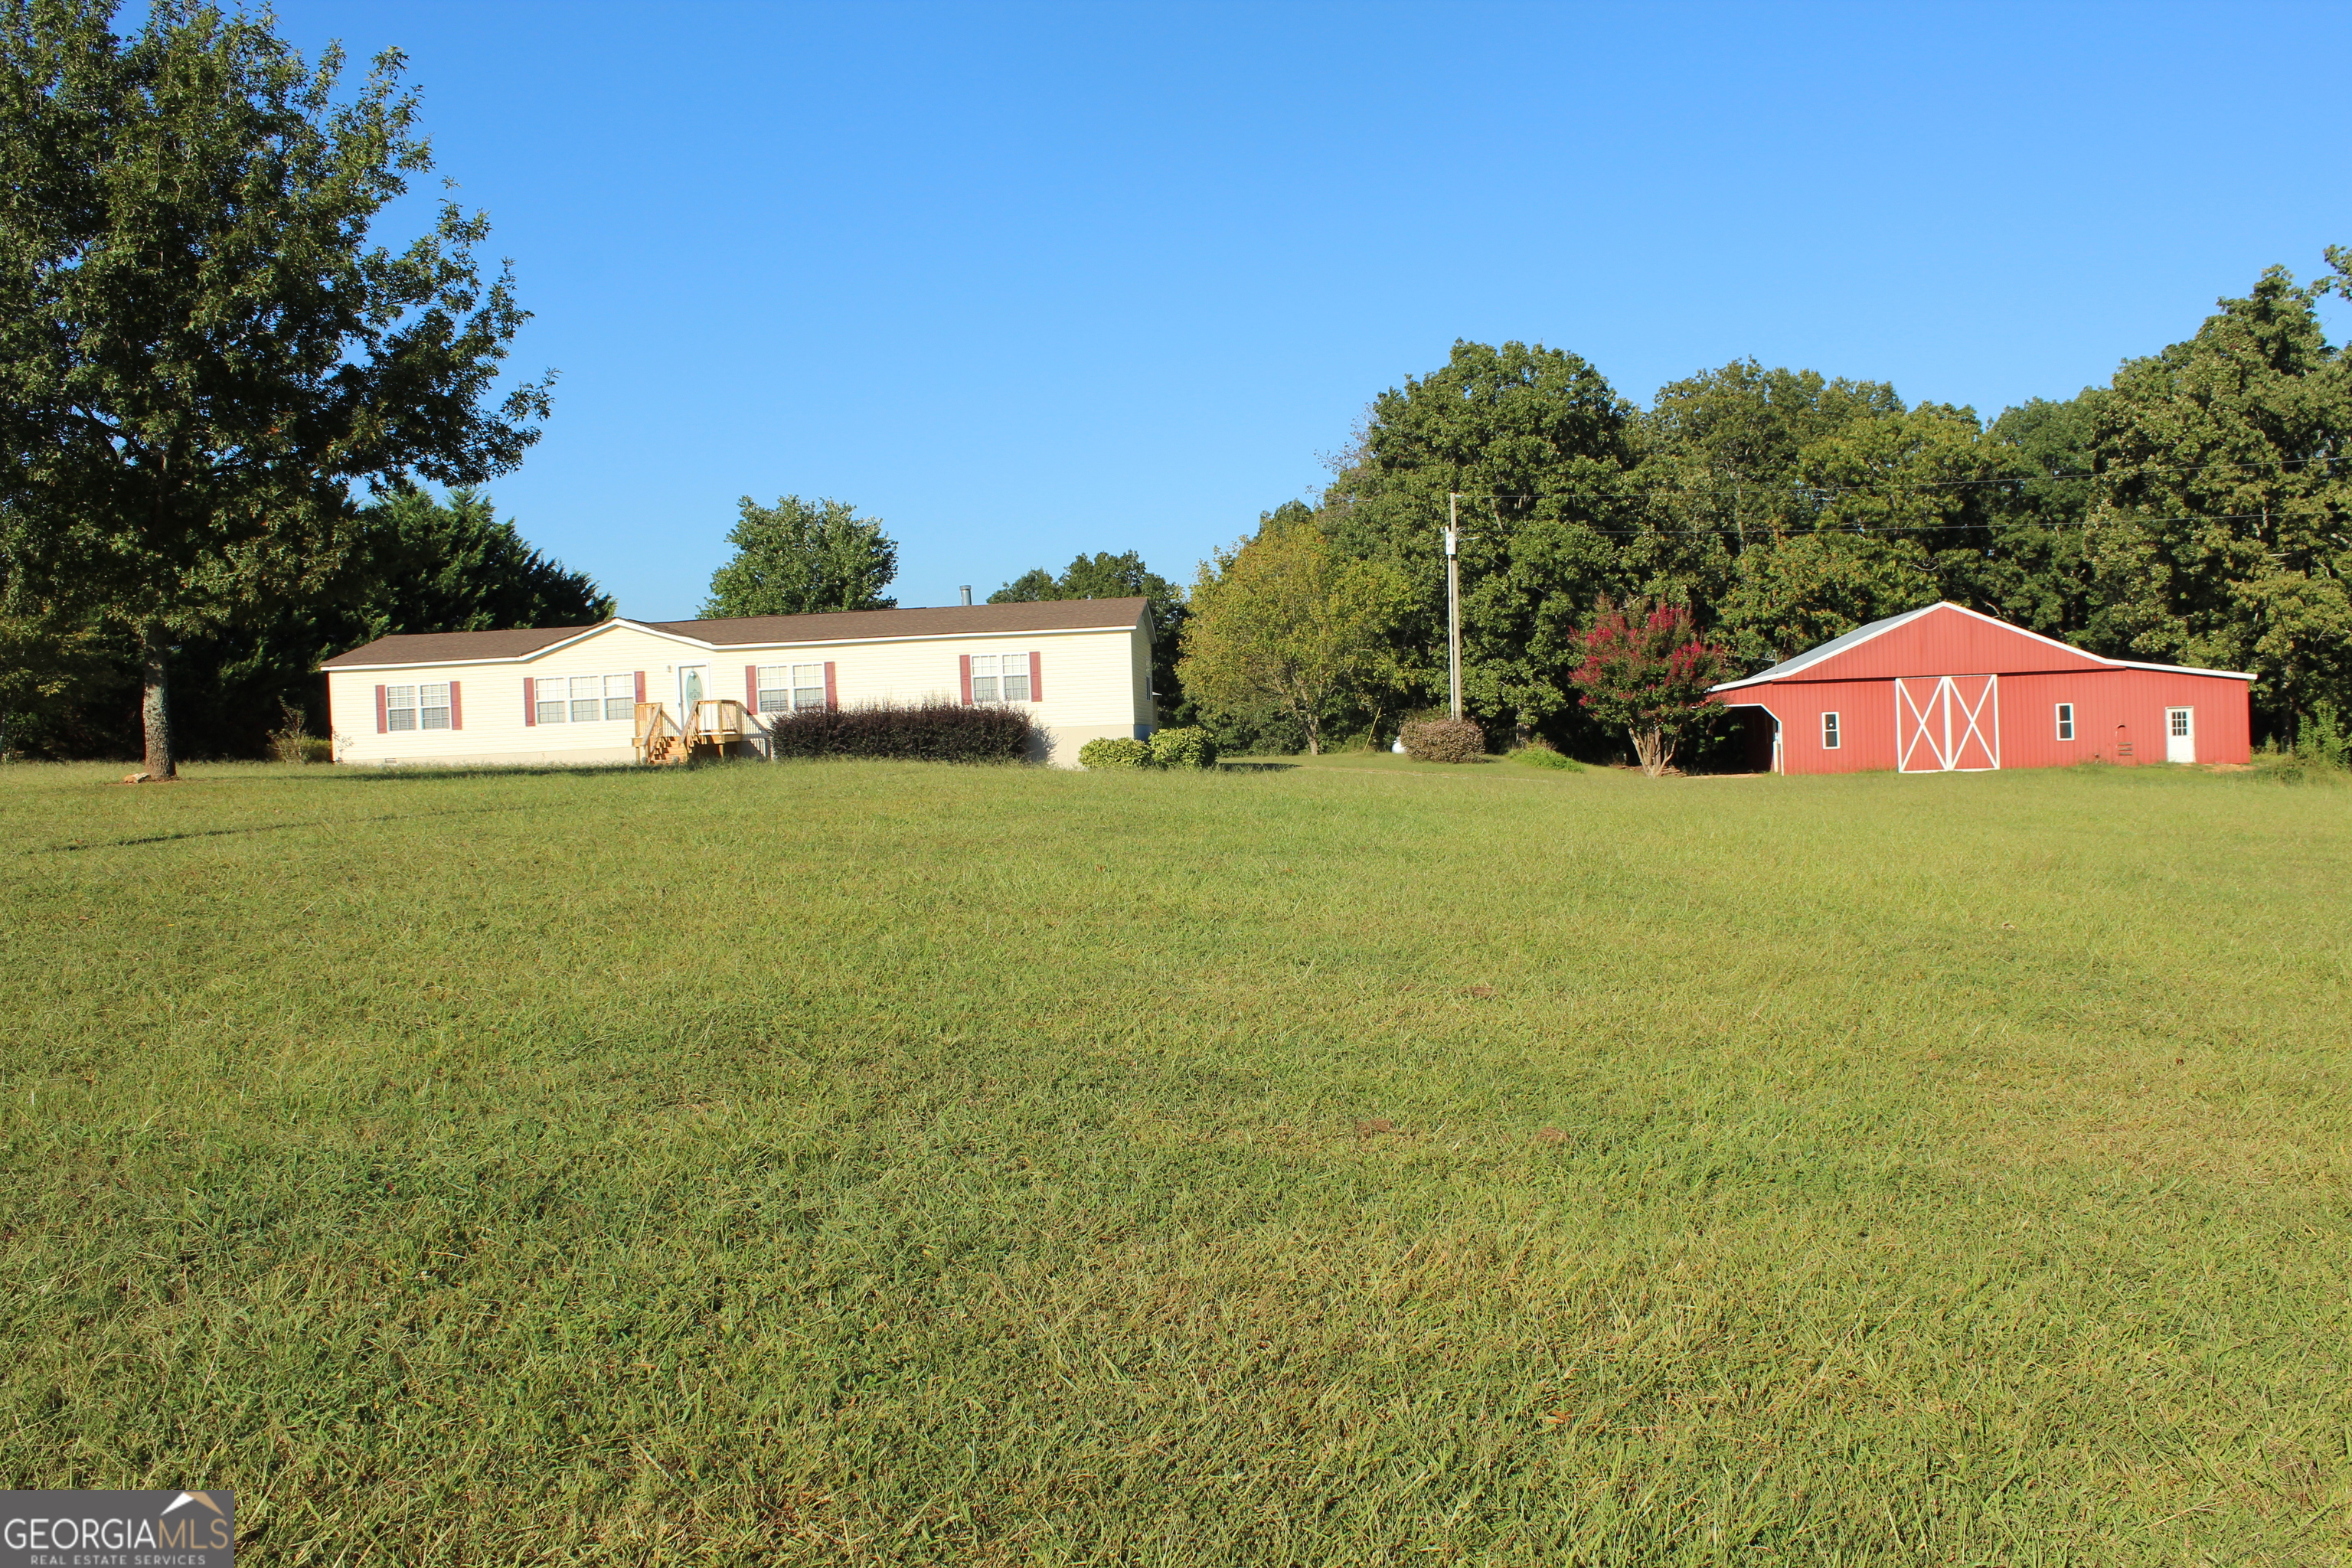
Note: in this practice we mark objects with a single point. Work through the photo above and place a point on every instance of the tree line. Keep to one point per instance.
(2196, 509)
(222, 404)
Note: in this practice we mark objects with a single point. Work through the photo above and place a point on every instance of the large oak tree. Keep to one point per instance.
(803, 558)
(201, 353)
(2222, 535)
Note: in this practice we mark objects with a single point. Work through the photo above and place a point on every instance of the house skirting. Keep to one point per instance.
(585, 756)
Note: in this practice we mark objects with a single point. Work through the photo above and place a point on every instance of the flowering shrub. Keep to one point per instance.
(1651, 678)
(1444, 740)
(1184, 748)
(1115, 752)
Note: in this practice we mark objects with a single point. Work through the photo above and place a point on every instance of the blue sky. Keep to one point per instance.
(1032, 280)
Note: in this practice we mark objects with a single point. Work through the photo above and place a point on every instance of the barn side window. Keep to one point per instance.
(2066, 720)
(1828, 732)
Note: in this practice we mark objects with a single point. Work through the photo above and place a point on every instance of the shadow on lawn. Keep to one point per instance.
(74, 846)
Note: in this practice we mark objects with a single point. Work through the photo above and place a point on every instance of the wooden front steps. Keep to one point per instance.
(715, 726)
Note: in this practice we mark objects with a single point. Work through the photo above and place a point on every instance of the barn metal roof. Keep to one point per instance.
(1800, 663)
(1836, 646)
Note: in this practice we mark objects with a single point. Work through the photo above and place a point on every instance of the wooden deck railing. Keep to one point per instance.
(716, 722)
(657, 737)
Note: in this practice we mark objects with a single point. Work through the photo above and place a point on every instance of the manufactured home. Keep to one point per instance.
(1947, 690)
(658, 690)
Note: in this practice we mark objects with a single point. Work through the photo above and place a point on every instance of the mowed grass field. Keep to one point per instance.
(1357, 1163)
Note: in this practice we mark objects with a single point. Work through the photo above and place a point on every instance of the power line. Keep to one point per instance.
(1808, 490)
(1928, 527)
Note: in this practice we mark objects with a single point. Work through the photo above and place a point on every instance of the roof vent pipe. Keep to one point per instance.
(966, 596)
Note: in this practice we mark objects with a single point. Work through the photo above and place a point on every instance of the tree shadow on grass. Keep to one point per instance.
(74, 846)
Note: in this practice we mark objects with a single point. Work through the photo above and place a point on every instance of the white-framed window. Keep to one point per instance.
(2178, 721)
(422, 706)
(1000, 678)
(2066, 720)
(791, 687)
(584, 699)
(1828, 732)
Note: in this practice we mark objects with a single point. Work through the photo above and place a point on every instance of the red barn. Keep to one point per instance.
(1945, 690)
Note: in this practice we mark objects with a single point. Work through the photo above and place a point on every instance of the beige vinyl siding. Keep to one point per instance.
(1095, 683)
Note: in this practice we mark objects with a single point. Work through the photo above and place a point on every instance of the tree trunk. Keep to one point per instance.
(155, 705)
(1652, 749)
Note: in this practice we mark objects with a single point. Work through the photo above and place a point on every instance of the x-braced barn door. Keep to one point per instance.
(1947, 723)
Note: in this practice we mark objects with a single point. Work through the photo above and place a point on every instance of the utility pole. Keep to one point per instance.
(1454, 600)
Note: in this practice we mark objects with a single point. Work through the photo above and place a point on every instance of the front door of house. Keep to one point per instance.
(2181, 734)
(691, 678)
(1947, 723)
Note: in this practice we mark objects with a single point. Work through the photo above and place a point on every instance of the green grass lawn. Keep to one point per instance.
(1364, 1163)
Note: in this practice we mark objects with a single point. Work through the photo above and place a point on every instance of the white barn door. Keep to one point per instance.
(2181, 734)
(1947, 723)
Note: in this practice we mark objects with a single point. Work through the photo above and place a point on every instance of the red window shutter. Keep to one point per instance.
(641, 686)
(965, 660)
(1037, 678)
(752, 686)
(384, 724)
(457, 709)
(530, 701)
(832, 699)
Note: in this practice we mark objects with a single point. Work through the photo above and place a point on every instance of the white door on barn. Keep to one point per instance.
(2181, 734)
(1947, 723)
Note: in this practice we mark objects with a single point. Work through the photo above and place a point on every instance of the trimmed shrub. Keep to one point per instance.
(1115, 752)
(1545, 757)
(1185, 748)
(915, 731)
(1444, 740)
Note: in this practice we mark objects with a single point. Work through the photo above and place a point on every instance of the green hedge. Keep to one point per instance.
(1115, 752)
(1184, 748)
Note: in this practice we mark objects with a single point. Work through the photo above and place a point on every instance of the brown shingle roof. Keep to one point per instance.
(872, 626)
(454, 647)
(750, 631)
